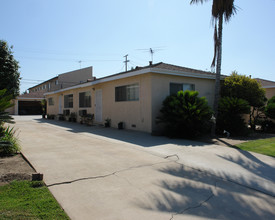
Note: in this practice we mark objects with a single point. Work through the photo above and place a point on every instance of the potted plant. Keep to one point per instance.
(120, 125)
(72, 117)
(107, 122)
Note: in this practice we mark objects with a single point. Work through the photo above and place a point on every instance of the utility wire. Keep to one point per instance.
(66, 60)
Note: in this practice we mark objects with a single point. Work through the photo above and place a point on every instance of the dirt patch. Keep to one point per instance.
(14, 168)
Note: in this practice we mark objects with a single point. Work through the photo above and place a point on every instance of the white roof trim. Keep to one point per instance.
(186, 74)
(268, 87)
(135, 73)
(22, 98)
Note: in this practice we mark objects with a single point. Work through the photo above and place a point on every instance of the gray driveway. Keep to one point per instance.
(102, 173)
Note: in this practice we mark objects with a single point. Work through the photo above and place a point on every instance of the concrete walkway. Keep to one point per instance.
(100, 173)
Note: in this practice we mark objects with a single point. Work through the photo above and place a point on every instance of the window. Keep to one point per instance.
(50, 101)
(85, 99)
(56, 82)
(68, 101)
(175, 87)
(127, 93)
(49, 85)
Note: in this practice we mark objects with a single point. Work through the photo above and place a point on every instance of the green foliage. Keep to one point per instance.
(28, 200)
(9, 70)
(230, 115)
(243, 87)
(270, 108)
(8, 142)
(44, 105)
(185, 114)
(267, 126)
(4, 104)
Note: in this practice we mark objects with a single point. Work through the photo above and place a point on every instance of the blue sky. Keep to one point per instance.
(51, 36)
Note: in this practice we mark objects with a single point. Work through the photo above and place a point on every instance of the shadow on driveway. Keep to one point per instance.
(134, 137)
(197, 193)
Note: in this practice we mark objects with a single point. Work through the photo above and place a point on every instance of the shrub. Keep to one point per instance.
(185, 115)
(8, 142)
(230, 115)
(270, 108)
(267, 126)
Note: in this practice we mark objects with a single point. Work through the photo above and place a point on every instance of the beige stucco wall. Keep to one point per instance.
(54, 109)
(269, 92)
(161, 89)
(136, 115)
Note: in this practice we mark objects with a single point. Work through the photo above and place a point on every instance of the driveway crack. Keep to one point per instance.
(195, 206)
(111, 174)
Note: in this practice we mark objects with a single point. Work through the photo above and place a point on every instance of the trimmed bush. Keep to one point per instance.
(270, 108)
(230, 116)
(185, 115)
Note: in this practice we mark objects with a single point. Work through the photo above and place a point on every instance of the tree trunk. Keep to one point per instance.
(218, 74)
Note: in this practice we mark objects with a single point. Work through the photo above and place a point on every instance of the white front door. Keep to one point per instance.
(60, 105)
(98, 105)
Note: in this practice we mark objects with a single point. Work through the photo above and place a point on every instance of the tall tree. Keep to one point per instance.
(221, 10)
(9, 70)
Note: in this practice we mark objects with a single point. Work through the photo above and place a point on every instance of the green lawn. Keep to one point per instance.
(24, 200)
(262, 146)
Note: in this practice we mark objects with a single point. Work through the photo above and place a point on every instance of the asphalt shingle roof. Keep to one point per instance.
(265, 82)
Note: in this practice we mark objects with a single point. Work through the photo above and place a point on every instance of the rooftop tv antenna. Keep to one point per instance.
(151, 51)
(126, 61)
(80, 61)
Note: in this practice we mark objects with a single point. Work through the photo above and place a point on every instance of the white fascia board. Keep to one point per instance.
(135, 73)
(268, 87)
(186, 74)
(29, 98)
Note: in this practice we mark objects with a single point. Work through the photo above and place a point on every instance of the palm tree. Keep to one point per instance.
(221, 9)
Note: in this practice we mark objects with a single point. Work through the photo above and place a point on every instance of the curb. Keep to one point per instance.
(28, 162)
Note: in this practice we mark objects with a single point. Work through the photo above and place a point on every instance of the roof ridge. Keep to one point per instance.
(188, 68)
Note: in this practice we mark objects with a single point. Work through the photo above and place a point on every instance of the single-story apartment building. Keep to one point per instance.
(133, 97)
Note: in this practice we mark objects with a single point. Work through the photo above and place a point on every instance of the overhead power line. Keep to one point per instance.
(66, 60)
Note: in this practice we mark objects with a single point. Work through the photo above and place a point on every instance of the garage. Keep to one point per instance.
(29, 108)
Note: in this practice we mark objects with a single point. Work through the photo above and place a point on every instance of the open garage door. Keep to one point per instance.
(29, 108)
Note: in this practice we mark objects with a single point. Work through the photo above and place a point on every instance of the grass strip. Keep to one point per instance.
(262, 146)
(28, 200)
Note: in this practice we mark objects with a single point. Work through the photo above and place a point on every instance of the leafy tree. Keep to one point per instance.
(9, 70)
(270, 108)
(185, 114)
(231, 110)
(224, 9)
(243, 87)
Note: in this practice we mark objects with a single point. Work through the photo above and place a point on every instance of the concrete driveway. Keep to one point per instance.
(102, 173)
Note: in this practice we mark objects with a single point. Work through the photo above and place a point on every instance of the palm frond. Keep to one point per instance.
(225, 8)
(198, 1)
